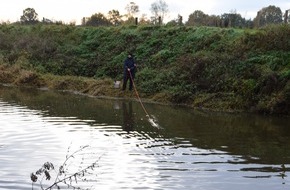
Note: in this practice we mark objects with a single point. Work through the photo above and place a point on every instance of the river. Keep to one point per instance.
(189, 149)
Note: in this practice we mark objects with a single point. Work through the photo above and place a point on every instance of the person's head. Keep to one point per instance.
(130, 55)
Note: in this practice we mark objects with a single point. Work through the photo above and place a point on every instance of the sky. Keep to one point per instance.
(70, 11)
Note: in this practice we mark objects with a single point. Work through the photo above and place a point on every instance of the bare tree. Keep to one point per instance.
(132, 9)
(159, 9)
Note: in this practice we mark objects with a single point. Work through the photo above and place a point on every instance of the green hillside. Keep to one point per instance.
(212, 68)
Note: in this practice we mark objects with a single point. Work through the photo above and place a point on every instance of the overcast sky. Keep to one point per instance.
(75, 10)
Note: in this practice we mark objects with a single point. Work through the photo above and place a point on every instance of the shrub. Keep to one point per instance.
(63, 176)
(29, 78)
(180, 93)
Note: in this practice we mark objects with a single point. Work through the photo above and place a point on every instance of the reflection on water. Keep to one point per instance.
(193, 150)
(128, 117)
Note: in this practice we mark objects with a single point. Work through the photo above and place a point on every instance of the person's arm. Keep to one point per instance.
(133, 65)
(125, 65)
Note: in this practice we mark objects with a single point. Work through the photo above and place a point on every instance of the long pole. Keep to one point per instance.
(137, 94)
(151, 121)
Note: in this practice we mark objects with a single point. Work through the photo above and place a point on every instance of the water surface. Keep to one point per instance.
(192, 150)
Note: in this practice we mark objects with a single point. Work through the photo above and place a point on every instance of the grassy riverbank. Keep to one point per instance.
(212, 68)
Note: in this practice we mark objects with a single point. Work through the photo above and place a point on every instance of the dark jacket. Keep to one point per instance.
(129, 63)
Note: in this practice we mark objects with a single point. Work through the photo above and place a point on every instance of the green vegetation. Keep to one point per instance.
(212, 68)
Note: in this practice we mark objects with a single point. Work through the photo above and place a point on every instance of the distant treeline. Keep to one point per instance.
(265, 16)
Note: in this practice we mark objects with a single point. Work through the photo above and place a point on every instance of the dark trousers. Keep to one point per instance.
(126, 78)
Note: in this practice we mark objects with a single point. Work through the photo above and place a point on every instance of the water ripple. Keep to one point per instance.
(137, 159)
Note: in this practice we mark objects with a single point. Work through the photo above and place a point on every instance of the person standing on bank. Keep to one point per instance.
(129, 71)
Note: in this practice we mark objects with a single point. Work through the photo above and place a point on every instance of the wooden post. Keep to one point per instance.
(258, 19)
(159, 20)
(286, 17)
(180, 20)
(84, 21)
(136, 21)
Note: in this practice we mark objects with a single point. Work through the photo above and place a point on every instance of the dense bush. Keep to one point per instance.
(251, 66)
